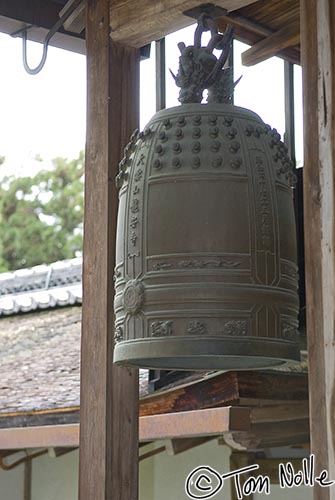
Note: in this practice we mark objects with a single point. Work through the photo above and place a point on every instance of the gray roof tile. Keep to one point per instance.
(41, 287)
(40, 361)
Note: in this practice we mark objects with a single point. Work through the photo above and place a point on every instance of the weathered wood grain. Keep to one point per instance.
(155, 19)
(248, 30)
(109, 395)
(270, 46)
(196, 423)
(318, 58)
(228, 388)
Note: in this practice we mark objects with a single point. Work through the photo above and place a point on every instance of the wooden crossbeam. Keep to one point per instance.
(77, 20)
(188, 424)
(285, 424)
(273, 44)
(176, 446)
(246, 27)
(229, 388)
(156, 19)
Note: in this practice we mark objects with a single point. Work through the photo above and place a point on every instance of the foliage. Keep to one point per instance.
(41, 217)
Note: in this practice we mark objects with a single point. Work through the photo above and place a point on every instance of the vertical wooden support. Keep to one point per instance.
(160, 75)
(27, 480)
(289, 136)
(318, 59)
(109, 395)
(238, 460)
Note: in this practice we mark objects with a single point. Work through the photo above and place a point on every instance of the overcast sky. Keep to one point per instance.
(45, 114)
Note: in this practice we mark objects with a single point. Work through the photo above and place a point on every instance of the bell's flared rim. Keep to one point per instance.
(185, 353)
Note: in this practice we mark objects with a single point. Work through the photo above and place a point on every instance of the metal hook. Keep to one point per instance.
(50, 34)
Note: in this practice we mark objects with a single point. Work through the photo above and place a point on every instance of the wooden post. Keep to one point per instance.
(27, 480)
(238, 460)
(318, 58)
(109, 395)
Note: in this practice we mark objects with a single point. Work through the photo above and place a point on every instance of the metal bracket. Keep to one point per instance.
(50, 34)
(208, 9)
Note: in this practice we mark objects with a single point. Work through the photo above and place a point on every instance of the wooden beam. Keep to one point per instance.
(253, 388)
(189, 424)
(176, 446)
(239, 460)
(156, 19)
(289, 135)
(45, 436)
(250, 32)
(285, 425)
(76, 21)
(283, 413)
(271, 426)
(109, 395)
(270, 46)
(27, 481)
(270, 435)
(160, 74)
(318, 58)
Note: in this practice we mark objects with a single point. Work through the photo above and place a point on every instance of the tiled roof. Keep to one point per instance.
(40, 361)
(40, 351)
(41, 287)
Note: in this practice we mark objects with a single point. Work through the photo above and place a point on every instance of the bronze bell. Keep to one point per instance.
(206, 273)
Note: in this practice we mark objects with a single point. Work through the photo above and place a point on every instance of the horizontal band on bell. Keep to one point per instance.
(187, 353)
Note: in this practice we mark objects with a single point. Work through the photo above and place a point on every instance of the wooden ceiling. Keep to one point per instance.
(272, 27)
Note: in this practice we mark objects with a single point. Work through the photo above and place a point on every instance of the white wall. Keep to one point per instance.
(55, 478)
(52, 479)
(162, 477)
(277, 493)
(11, 484)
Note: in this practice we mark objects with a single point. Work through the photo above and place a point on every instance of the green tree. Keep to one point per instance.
(41, 217)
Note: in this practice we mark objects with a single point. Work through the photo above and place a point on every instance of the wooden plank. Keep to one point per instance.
(190, 424)
(252, 387)
(46, 436)
(250, 31)
(242, 425)
(289, 135)
(207, 393)
(31, 419)
(160, 74)
(109, 395)
(232, 5)
(270, 46)
(27, 481)
(176, 446)
(318, 57)
(282, 413)
(197, 423)
(273, 386)
(270, 435)
(273, 13)
(155, 19)
(76, 21)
